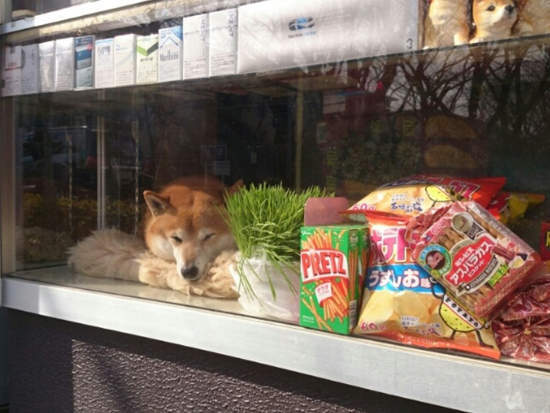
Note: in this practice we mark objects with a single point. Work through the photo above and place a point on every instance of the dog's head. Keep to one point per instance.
(494, 15)
(185, 225)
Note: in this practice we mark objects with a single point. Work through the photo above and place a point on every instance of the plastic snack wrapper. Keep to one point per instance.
(522, 330)
(509, 206)
(403, 303)
(476, 258)
(415, 195)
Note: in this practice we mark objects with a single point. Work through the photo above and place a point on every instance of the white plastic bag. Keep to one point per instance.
(258, 270)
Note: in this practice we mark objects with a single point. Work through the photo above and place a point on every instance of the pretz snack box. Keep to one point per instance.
(278, 34)
(333, 260)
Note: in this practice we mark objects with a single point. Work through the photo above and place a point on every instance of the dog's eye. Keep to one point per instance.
(176, 239)
(208, 236)
(491, 8)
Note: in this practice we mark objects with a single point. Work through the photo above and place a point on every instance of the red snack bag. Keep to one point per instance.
(509, 206)
(544, 248)
(522, 330)
(415, 195)
(402, 302)
(474, 256)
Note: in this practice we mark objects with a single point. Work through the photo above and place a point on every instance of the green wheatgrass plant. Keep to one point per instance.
(265, 221)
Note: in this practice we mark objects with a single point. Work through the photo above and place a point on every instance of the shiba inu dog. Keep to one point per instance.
(493, 19)
(534, 17)
(446, 23)
(185, 224)
(187, 245)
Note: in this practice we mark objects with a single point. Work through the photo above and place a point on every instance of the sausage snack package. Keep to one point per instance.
(403, 303)
(475, 257)
(417, 194)
(522, 330)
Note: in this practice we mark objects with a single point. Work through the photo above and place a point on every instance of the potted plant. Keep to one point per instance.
(265, 221)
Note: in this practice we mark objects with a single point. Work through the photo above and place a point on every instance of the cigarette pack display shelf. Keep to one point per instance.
(450, 380)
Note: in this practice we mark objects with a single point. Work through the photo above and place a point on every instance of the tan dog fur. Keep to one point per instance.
(189, 209)
(185, 224)
(493, 19)
(446, 23)
(534, 17)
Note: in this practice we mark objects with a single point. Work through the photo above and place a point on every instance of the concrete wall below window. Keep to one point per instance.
(3, 356)
(63, 367)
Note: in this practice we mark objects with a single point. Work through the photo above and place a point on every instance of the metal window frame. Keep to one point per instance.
(68, 13)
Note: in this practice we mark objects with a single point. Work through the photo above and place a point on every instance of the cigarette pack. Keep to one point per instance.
(46, 59)
(11, 74)
(29, 70)
(104, 63)
(223, 42)
(333, 261)
(147, 59)
(125, 60)
(84, 61)
(64, 64)
(195, 46)
(278, 34)
(170, 54)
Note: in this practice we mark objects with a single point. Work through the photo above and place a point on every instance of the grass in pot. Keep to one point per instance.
(265, 221)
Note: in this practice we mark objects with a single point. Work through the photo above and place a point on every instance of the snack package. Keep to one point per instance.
(415, 195)
(509, 206)
(544, 245)
(403, 303)
(333, 260)
(522, 330)
(476, 258)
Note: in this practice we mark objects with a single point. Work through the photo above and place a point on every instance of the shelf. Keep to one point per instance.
(436, 67)
(440, 378)
(67, 13)
(104, 15)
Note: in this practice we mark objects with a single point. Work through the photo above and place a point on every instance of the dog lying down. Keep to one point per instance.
(186, 245)
(111, 253)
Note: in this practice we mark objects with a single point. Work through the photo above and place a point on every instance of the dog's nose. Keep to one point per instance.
(190, 273)
(510, 8)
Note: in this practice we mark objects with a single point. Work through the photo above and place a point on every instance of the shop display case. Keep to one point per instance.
(318, 93)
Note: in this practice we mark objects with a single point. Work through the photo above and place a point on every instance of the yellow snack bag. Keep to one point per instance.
(414, 195)
(403, 303)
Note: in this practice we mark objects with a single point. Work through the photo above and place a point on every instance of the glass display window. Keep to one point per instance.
(103, 115)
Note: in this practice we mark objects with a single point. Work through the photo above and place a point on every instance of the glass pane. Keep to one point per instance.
(257, 94)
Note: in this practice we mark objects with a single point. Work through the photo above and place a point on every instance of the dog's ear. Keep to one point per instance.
(156, 204)
(235, 187)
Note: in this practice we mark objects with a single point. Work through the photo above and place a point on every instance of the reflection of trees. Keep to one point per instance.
(491, 84)
(503, 88)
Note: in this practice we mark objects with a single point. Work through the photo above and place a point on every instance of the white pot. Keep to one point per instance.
(285, 305)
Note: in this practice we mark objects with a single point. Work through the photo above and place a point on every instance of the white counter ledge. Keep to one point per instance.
(439, 378)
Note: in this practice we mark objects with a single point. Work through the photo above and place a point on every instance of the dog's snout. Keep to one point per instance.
(510, 8)
(190, 273)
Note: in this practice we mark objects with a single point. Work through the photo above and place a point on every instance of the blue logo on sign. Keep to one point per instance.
(301, 23)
